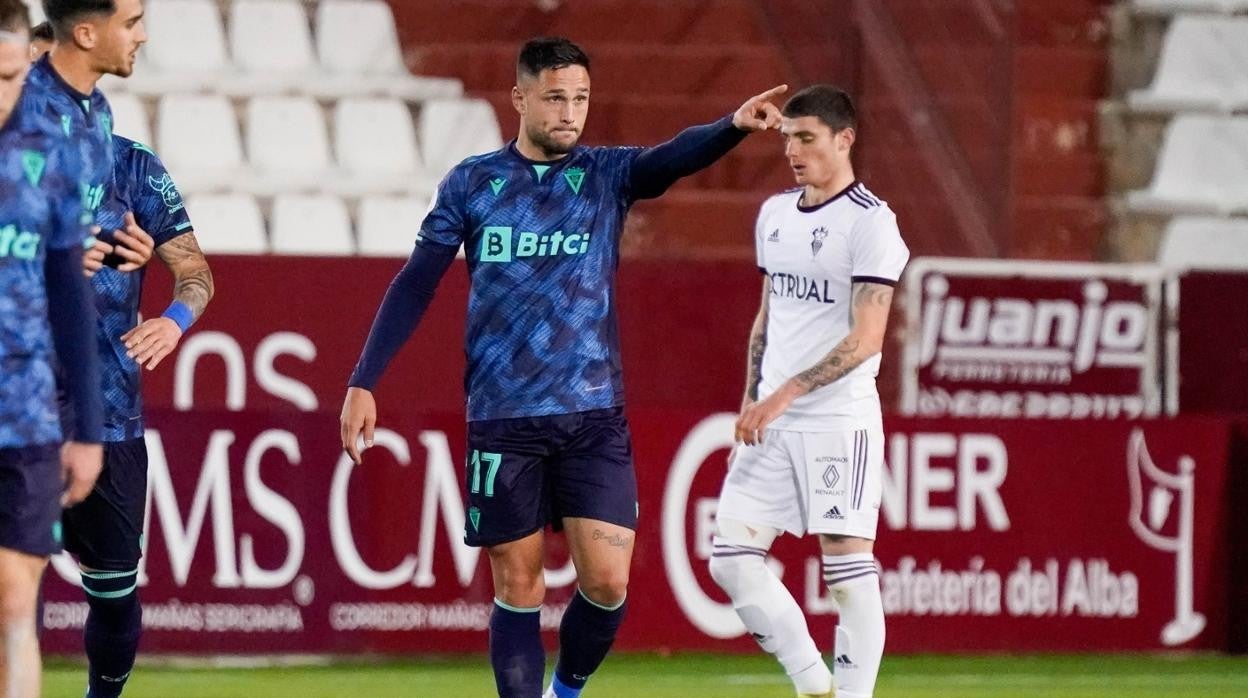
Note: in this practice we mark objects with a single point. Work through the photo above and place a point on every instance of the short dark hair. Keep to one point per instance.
(548, 53)
(14, 16)
(828, 103)
(64, 14)
(42, 32)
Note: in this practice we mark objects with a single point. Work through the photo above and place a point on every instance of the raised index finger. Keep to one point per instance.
(773, 92)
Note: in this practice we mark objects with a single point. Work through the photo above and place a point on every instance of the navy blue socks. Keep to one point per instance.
(114, 624)
(585, 636)
(516, 651)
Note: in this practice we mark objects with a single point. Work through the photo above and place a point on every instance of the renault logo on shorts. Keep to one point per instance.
(831, 476)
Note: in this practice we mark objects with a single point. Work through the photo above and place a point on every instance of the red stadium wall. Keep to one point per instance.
(979, 119)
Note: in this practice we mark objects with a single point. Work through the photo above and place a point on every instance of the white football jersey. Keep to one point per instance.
(813, 255)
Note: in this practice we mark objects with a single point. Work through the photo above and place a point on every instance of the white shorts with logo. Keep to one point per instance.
(807, 482)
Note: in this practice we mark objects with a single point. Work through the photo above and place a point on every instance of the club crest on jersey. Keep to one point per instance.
(168, 191)
(575, 177)
(816, 240)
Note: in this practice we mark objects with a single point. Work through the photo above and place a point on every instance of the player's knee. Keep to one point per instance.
(606, 588)
(736, 570)
(851, 580)
(520, 588)
(19, 591)
(111, 592)
(17, 609)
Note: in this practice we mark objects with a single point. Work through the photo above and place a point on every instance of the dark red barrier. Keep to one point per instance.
(1213, 354)
(996, 535)
(284, 333)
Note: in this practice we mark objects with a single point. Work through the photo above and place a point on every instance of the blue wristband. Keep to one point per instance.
(180, 313)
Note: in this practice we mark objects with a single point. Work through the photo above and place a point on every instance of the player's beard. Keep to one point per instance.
(545, 140)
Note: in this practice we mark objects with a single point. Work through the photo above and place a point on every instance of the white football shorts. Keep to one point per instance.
(807, 483)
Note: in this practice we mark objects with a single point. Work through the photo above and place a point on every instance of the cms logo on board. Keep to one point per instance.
(502, 244)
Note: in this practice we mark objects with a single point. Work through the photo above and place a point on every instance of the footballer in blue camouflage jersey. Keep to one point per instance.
(540, 223)
(141, 211)
(45, 312)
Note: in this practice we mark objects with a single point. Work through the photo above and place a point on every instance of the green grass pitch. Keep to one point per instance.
(727, 676)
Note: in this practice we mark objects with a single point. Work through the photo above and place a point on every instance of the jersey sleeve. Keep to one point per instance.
(620, 160)
(71, 218)
(760, 237)
(878, 252)
(158, 205)
(447, 220)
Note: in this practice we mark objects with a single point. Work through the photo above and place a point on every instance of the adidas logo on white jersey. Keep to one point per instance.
(834, 513)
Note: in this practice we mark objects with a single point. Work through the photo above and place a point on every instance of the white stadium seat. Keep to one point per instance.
(311, 225)
(228, 224)
(130, 118)
(1202, 168)
(185, 51)
(375, 142)
(388, 225)
(271, 43)
(197, 137)
(36, 12)
(454, 129)
(359, 55)
(1203, 67)
(287, 145)
(1202, 242)
(1174, 7)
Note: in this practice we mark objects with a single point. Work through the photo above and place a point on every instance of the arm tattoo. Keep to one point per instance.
(868, 294)
(843, 359)
(754, 369)
(846, 356)
(192, 278)
(758, 346)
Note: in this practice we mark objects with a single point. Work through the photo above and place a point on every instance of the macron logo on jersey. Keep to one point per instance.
(502, 244)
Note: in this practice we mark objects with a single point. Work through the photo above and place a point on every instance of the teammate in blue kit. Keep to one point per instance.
(45, 315)
(548, 443)
(94, 38)
(105, 531)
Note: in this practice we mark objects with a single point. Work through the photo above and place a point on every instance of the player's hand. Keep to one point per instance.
(80, 466)
(758, 113)
(755, 416)
(359, 415)
(93, 257)
(152, 341)
(134, 245)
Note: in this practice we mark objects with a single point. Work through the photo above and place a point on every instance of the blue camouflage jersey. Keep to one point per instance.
(84, 120)
(41, 208)
(142, 185)
(542, 243)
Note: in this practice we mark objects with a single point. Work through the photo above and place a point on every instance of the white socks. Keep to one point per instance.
(770, 613)
(854, 581)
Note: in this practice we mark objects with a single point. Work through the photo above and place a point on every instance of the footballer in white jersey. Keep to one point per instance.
(810, 451)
